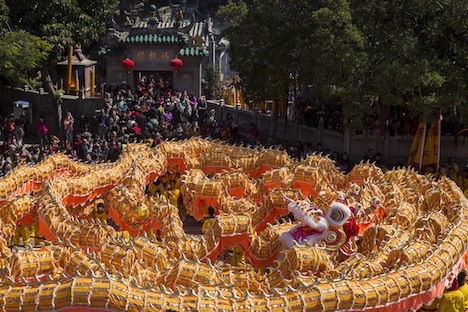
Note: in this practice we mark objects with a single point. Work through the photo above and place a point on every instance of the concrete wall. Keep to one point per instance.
(394, 149)
(43, 104)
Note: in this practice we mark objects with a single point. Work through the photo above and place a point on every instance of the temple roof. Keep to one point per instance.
(140, 23)
(152, 38)
(178, 23)
(193, 51)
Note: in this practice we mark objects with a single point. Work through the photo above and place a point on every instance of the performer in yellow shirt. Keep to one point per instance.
(178, 180)
(453, 300)
(155, 186)
(209, 221)
(238, 257)
(166, 178)
(173, 194)
(463, 287)
(100, 212)
(161, 196)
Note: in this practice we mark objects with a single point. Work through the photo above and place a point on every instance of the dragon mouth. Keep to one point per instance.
(302, 232)
(304, 228)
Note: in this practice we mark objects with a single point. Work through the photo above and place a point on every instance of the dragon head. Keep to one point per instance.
(338, 214)
(314, 217)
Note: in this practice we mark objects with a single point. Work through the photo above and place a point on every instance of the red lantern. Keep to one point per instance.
(176, 63)
(128, 64)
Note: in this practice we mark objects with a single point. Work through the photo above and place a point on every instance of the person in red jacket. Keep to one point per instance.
(42, 130)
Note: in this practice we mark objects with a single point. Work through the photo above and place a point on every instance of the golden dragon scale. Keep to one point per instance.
(400, 261)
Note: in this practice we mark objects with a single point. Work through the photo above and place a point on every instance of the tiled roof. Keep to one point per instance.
(193, 51)
(152, 38)
(198, 29)
(164, 24)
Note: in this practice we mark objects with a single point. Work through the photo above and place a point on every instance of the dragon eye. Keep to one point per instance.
(331, 237)
(337, 215)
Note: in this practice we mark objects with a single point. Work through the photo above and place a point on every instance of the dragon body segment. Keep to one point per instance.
(346, 250)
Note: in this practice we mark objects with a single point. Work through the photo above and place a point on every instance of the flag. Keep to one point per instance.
(415, 155)
(431, 155)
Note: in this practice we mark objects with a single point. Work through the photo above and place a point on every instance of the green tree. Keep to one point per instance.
(315, 41)
(21, 54)
(4, 12)
(273, 38)
(416, 53)
(213, 82)
(60, 23)
(410, 53)
(254, 49)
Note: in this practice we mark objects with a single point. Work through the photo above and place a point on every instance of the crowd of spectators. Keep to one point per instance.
(329, 116)
(152, 115)
(126, 116)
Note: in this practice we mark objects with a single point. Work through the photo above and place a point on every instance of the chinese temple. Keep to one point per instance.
(165, 43)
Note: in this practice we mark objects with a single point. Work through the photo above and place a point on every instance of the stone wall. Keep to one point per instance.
(42, 104)
(394, 149)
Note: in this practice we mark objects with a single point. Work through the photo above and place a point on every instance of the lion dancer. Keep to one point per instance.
(317, 226)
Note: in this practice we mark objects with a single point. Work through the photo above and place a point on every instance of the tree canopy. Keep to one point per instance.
(35, 33)
(411, 53)
(21, 53)
(417, 53)
(62, 23)
(274, 40)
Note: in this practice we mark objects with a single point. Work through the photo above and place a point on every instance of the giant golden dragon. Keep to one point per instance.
(411, 242)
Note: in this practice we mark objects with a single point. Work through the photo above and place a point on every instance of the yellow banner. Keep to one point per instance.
(414, 158)
(432, 148)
